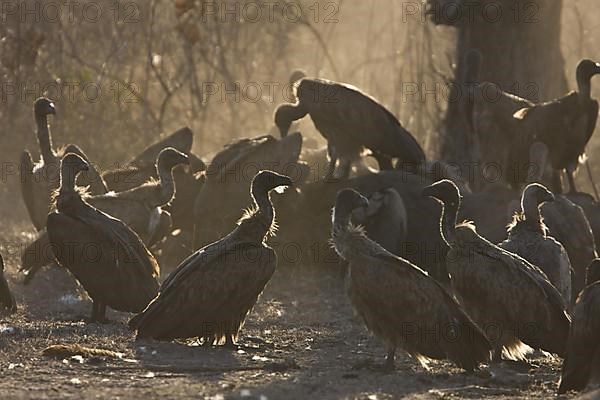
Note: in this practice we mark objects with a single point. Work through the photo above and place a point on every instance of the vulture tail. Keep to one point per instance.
(466, 344)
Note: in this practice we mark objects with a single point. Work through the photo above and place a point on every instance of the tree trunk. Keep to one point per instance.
(520, 44)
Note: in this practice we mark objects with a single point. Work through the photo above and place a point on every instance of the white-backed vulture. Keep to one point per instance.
(139, 208)
(565, 124)
(384, 219)
(351, 121)
(582, 362)
(40, 180)
(528, 237)
(103, 254)
(7, 300)
(509, 298)
(398, 302)
(210, 293)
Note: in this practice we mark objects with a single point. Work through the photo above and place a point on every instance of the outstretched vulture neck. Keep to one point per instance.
(44, 138)
(448, 221)
(166, 183)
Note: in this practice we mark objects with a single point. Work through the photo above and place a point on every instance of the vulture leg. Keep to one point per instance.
(556, 182)
(344, 169)
(571, 181)
(331, 153)
(229, 343)
(497, 356)
(390, 359)
(98, 312)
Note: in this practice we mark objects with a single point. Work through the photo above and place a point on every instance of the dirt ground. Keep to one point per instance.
(302, 341)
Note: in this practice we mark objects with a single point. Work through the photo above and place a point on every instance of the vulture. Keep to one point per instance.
(210, 293)
(509, 298)
(351, 121)
(399, 302)
(142, 168)
(40, 180)
(528, 237)
(582, 362)
(107, 258)
(139, 208)
(384, 219)
(565, 124)
(7, 300)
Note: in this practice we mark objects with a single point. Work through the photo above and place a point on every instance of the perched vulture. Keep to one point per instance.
(528, 238)
(40, 180)
(139, 208)
(384, 219)
(210, 293)
(351, 121)
(399, 302)
(509, 298)
(565, 124)
(7, 300)
(103, 254)
(582, 361)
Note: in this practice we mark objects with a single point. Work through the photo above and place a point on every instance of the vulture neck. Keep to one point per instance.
(296, 111)
(166, 183)
(44, 138)
(260, 221)
(584, 88)
(531, 211)
(68, 196)
(341, 231)
(448, 222)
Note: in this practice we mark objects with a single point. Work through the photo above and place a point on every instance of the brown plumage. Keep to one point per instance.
(509, 298)
(40, 180)
(7, 300)
(228, 177)
(351, 121)
(103, 254)
(528, 237)
(582, 362)
(399, 302)
(503, 149)
(565, 124)
(139, 208)
(209, 295)
(384, 219)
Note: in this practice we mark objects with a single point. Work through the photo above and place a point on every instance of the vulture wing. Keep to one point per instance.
(181, 140)
(583, 344)
(503, 282)
(428, 320)
(106, 257)
(209, 293)
(359, 117)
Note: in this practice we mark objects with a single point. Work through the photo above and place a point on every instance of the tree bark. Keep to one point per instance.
(520, 44)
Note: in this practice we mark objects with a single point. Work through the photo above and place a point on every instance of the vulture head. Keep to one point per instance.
(593, 272)
(586, 69)
(296, 75)
(348, 200)
(536, 194)
(74, 164)
(444, 191)
(265, 181)
(170, 157)
(283, 118)
(43, 106)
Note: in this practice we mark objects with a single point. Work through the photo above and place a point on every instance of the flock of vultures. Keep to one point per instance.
(520, 275)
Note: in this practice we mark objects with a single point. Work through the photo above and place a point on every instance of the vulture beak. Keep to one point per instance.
(51, 109)
(362, 202)
(549, 197)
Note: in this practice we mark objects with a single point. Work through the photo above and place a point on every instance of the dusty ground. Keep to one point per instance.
(300, 342)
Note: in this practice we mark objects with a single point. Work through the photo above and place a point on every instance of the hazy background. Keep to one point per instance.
(124, 73)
